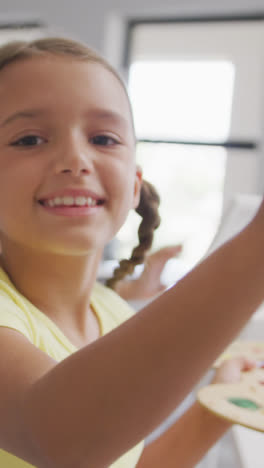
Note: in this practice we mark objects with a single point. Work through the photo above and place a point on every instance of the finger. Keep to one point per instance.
(173, 250)
(165, 253)
(245, 363)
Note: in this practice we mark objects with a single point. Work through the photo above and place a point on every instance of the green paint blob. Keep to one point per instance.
(244, 403)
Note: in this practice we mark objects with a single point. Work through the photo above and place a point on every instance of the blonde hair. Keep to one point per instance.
(149, 199)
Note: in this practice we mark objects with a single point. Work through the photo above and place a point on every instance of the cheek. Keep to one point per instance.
(119, 183)
(16, 194)
(122, 185)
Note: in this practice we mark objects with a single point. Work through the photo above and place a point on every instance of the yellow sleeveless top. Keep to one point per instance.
(18, 313)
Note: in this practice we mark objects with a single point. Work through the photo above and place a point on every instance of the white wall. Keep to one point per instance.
(87, 19)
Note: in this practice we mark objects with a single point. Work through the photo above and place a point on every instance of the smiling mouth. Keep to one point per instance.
(71, 204)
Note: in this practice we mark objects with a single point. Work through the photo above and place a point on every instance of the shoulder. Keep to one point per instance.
(12, 311)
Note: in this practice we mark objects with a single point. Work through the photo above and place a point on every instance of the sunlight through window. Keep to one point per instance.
(182, 100)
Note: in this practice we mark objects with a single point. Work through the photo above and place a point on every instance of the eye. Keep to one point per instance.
(28, 140)
(104, 140)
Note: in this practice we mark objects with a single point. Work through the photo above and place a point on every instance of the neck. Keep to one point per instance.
(59, 285)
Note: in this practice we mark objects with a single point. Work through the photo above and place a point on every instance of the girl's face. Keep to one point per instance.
(65, 126)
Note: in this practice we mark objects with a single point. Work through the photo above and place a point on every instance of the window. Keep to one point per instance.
(190, 183)
(21, 31)
(184, 100)
(196, 110)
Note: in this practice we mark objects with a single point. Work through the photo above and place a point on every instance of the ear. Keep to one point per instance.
(137, 187)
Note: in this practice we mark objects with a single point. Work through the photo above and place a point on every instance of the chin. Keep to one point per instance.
(79, 247)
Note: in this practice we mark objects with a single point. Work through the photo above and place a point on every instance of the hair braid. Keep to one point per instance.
(148, 210)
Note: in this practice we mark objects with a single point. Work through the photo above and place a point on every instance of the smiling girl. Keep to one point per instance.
(77, 390)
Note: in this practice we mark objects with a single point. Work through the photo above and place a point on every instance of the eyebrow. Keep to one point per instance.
(24, 114)
(101, 114)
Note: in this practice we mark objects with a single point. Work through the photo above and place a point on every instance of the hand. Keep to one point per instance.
(148, 284)
(230, 370)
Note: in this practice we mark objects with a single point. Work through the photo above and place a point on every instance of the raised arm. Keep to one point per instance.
(102, 400)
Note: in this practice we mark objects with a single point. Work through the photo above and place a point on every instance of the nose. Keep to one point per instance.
(74, 155)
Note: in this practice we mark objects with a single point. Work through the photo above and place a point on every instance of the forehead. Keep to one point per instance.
(62, 83)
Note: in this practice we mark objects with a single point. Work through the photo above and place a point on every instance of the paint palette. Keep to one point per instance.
(250, 349)
(240, 403)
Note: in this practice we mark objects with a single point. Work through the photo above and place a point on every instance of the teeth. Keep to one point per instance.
(71, 201)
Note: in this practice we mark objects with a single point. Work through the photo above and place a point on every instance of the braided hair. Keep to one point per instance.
(148, 210)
